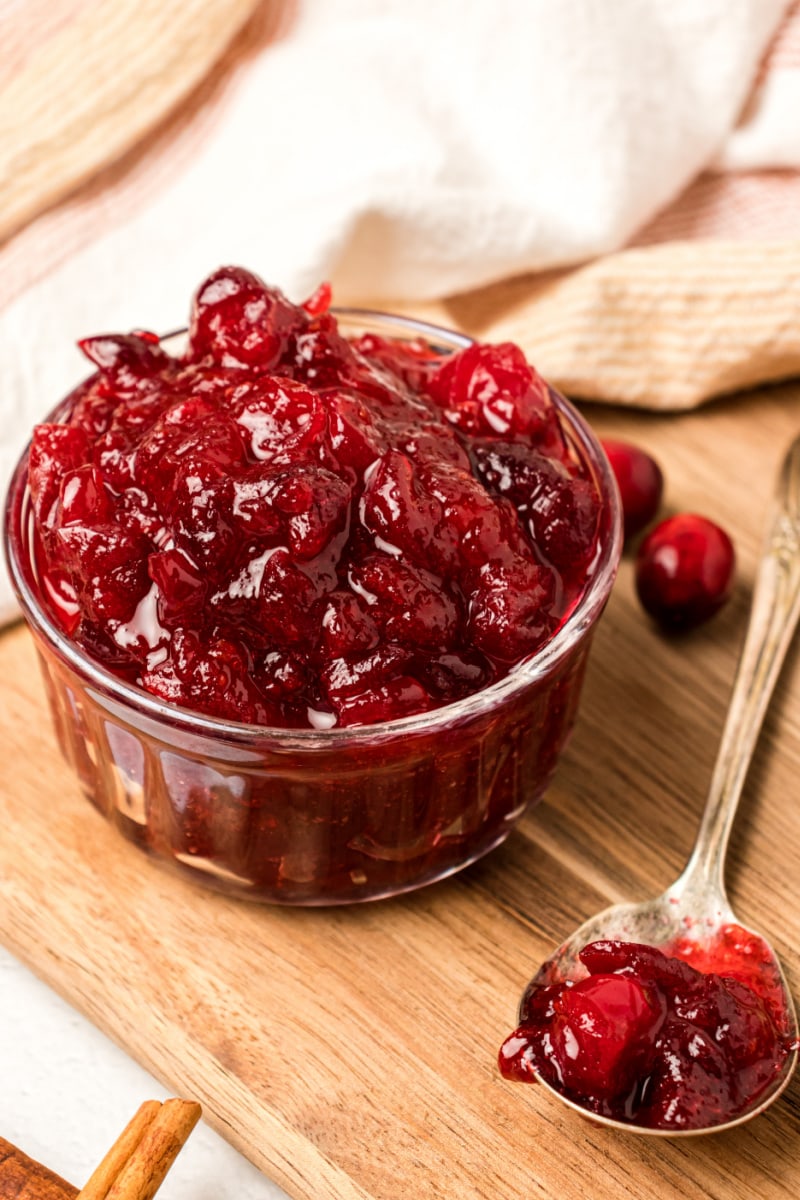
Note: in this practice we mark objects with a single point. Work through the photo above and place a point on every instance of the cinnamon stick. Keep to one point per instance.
(136, 1164)
(105, 1174)
(22, 1178)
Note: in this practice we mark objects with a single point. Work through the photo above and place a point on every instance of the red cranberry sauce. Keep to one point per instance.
(288, 527)
(649, 1039)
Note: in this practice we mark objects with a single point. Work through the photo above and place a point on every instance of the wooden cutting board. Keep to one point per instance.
(351, 1052)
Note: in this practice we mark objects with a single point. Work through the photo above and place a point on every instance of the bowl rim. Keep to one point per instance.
(529, 671)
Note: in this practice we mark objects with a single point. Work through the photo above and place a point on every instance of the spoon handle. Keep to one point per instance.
(773, 617)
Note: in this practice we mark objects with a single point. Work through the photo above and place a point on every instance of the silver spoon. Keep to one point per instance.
(697, 900)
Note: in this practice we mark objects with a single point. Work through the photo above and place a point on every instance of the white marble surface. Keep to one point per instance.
(66, 1092)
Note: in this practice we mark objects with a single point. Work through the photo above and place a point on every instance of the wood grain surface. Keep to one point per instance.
(351, 1053)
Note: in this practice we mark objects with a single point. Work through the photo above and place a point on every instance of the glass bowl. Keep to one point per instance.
(307, 817)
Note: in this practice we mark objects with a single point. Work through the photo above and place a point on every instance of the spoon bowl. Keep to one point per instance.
(694, 911)
(661, 922)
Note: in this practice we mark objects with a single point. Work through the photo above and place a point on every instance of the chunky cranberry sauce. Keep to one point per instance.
(650, 1039)
(285, 526)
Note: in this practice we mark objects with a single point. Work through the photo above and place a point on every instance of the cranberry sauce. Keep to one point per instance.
(649, 1039)
(292, 528)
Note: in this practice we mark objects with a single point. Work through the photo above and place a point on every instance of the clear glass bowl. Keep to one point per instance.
(307, 817)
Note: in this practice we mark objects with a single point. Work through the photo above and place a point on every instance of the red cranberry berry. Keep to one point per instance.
(640, 483)
(685, 570)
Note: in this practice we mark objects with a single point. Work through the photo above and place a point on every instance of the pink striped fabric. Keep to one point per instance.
(784, 53)
(118, 188)
(758, 205)
(751, 206)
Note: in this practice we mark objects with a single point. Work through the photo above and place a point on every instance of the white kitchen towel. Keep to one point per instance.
(408, 149)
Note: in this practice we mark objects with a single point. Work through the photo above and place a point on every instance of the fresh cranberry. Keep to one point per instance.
(640, 482)
(685, 570)
(286, 526)
(648, 1040)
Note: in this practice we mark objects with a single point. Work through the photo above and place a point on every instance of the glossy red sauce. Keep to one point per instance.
(679, 1039)
(284, 526)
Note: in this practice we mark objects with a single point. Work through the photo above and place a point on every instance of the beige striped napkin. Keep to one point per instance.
(84, 83)
(659, 327)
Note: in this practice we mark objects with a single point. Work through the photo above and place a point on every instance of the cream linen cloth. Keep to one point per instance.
(409, 151)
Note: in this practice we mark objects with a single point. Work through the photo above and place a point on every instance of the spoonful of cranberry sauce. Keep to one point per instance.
(669, 1017)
